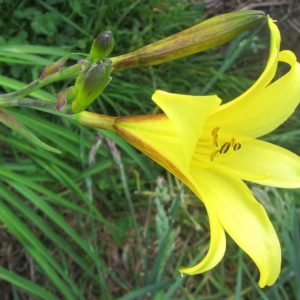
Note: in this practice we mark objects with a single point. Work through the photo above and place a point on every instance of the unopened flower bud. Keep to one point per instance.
(205, 35)
(102, 46)
(53, 68)
(64, 96)
(90, 84)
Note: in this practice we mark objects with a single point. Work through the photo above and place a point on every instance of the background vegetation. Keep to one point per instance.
(101, 221)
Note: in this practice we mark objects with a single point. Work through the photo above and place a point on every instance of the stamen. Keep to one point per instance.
(225, 147)
(220, 146)
(214, 133)
(237, 146)
(213, 155)
(233, 141)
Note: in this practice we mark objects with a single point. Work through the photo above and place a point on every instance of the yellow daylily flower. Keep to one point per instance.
(213, 147)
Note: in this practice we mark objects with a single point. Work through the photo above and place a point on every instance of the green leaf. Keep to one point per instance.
(11, 122)
(26, 285)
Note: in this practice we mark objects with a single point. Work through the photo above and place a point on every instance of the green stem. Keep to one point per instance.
(70, 72)
(43, 105)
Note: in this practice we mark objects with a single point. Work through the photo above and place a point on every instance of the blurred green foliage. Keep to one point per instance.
(95, 223)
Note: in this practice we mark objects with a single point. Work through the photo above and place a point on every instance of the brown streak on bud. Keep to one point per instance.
(208, 34)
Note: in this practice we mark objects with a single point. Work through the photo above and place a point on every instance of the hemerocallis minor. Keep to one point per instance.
(212, 148)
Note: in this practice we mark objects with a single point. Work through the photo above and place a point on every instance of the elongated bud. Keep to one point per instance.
(65, 96)
(102, 46)
(208, 34)
(53, 68)
(90, 84)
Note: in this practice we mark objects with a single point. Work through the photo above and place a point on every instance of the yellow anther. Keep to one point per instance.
(225, 147)
(214, 134)
(233, 143)
(213, 155)
(237, 146)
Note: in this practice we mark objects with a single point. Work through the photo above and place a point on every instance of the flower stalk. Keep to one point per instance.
(207, 34)
(67, 73)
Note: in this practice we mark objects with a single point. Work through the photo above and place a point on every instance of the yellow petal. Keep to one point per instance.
(243, 218)
(187, 114)
(271, 67)
(264, 163)
(269, 71)
(261, 109)
(216, 250)
(265, 110)
(156, 137)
